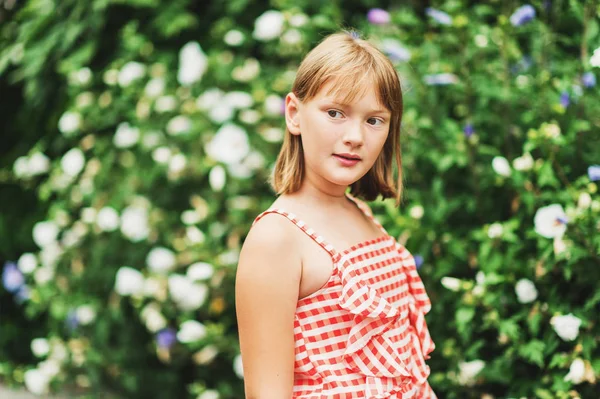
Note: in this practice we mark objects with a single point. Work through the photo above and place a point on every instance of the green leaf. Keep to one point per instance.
(533, 351)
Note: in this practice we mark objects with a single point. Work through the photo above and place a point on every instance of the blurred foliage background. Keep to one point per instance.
(138, 135)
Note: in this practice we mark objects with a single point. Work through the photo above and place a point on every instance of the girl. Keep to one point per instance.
(328, 304)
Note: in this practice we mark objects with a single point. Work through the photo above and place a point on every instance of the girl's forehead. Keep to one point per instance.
(342, 94)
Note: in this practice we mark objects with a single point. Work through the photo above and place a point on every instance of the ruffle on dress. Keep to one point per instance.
(387, 344)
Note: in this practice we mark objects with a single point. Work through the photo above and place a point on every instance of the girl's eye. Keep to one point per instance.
(333, 112)
(374, 121)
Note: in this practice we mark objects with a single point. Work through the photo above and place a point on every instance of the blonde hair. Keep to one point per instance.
(354, 64)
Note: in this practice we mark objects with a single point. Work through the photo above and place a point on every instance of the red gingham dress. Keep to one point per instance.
(363, 334)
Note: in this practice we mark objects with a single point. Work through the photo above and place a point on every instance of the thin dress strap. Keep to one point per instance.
(367, 211)
(302, 226)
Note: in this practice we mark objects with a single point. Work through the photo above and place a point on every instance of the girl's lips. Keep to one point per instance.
(346, 161)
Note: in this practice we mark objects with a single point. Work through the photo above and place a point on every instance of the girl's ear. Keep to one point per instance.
(292, 113)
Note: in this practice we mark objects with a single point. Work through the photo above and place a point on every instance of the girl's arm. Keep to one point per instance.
(267, 287)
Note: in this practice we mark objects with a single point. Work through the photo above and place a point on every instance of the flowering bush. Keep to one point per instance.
(160, 128)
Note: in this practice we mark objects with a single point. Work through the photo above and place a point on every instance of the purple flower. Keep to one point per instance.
(522, 15)
(469, 130)
(588, 79)
(22, 294)
(12, 278)
(594, 172)
(418, 261)
(166, 337)
(377, 16)
(440, 79)
(72, 322)
(439, 16)
(395, 51)
(565, 99)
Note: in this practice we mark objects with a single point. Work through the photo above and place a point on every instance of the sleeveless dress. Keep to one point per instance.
(363, 334)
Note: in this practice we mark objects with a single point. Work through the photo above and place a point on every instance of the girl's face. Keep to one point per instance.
(332, 132)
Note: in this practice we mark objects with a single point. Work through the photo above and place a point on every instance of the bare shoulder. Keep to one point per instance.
(271, 247)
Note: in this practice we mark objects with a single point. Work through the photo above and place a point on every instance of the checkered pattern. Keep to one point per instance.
(363, 334)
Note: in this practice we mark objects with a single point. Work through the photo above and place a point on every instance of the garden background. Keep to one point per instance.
(138, 136)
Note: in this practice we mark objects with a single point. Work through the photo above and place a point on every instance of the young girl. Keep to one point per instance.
(328, 304)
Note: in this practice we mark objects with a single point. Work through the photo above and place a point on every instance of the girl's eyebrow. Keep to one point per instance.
(375, 110)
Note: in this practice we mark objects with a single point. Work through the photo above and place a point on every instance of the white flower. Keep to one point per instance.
(190, 217)
(85, 314)
(584, 201)
(43, 275)
(209, 98)
(40, 347)
(495, 230)
(526, 291)
(238, 366)
(576, 373)
(134, 223)
(165, 104)
(416, 212)
(130, 72)
(155, 87)
(161, 155)
(69, 123)
(108, 219)
(21, 167)
(151, 139)
(209, 394)
(187, 294)
(194, 235)
(126, 136)
(50, 254)
(481, 41)
(73, 162)
(129, 281)
(179, 125)
(238, 99)
(27, 263)
(38, 163)
(274, 105)
(299, 20)
(221, 112)
(88, 214)
(153, 318)
(36, 381)
(595, 59)
(566, 326)
(200, 271)
(468, 371)
(451, 283)
(480, 278)
(550, 221)
(524, 162)
(177, 163)
(249, 116)
(153, 288)
(234, 37)
(193, 63)
(501, 166)
(291, 37)
(206, 355)
(191, 331)
(45, 233)
(217, 178)
(49, 367)
(247, 71)
(268, 26)
(161, 260)
(559, 245)
(111, 77)
(230, 145)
